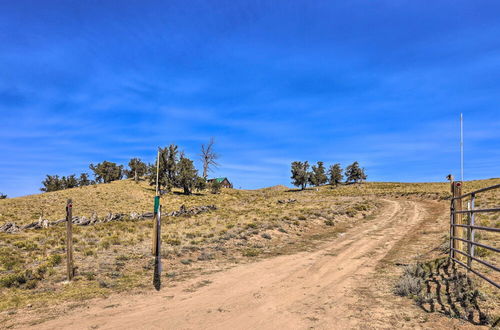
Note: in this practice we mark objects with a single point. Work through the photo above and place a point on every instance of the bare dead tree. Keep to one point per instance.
(208, 157)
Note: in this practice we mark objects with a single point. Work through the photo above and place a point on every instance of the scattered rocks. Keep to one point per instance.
(286, 201)
(135, 216)
(9, 227)
(183, 211)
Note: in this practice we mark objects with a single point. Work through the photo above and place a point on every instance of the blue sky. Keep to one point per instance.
(381, 82)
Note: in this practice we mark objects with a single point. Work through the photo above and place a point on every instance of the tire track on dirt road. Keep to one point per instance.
(304, 290)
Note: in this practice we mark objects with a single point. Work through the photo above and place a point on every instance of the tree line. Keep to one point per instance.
(175, 171)
(318, 175)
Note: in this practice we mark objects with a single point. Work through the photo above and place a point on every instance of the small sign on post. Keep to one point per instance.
(69, 240)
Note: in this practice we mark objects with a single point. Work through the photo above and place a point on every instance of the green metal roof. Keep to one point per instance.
(220, 179)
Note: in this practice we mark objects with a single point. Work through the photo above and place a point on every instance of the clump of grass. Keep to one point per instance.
(173, 241)
(329, 222)
(26, 245)
(10, 258)
(13, 280)
(251, 252)
(54, 260)
(409, 283)
(122, 258)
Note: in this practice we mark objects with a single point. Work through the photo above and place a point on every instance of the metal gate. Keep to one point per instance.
(463, 228)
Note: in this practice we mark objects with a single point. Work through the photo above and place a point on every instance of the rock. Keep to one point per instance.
(108, 217)
(286, 201)
(183, 211)
(9, 227)
(84, 221)
(93, 218)
(53, 223)
(135, 216)
(32, 225)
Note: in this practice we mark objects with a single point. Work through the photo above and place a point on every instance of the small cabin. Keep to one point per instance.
(224, 182)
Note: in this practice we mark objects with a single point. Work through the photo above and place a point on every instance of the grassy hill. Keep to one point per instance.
(125, 196)
(115, 256)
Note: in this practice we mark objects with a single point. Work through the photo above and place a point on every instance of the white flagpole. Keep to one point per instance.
(461, 147)
(157, 171)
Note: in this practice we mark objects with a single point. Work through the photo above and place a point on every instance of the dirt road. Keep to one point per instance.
(309, 289)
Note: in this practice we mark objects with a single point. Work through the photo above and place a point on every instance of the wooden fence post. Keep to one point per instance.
(69, 240)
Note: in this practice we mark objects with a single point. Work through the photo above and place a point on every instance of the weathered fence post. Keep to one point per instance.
(69, 239)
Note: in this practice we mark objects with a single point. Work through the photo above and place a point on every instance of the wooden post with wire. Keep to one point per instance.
(69, 240)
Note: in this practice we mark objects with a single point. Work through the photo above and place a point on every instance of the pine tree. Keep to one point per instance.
(84, 180)
(354, 173)
(137, 169)
(300, 174)
(70, 182)
(215, 187)
(107, 171)
(52, 183)
(200, 184)
(318, 176)
(335, 174)
(186, 175)
(168, 159)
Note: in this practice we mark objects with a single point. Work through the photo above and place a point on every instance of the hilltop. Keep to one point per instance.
(125, 196)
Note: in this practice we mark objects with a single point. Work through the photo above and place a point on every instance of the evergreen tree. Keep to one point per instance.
(215, 187)
(186, 175)
(70, 182)
(171, 160)
(3, 196)
(300, 174)
(354, 173)
(318, 176)
(200, 184)
(107, 171)
(52, 183)
(137, 169)
(168, 167)
(84, 180)
(335, 174)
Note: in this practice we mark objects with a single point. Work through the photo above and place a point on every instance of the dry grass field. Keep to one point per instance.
(247, 225)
